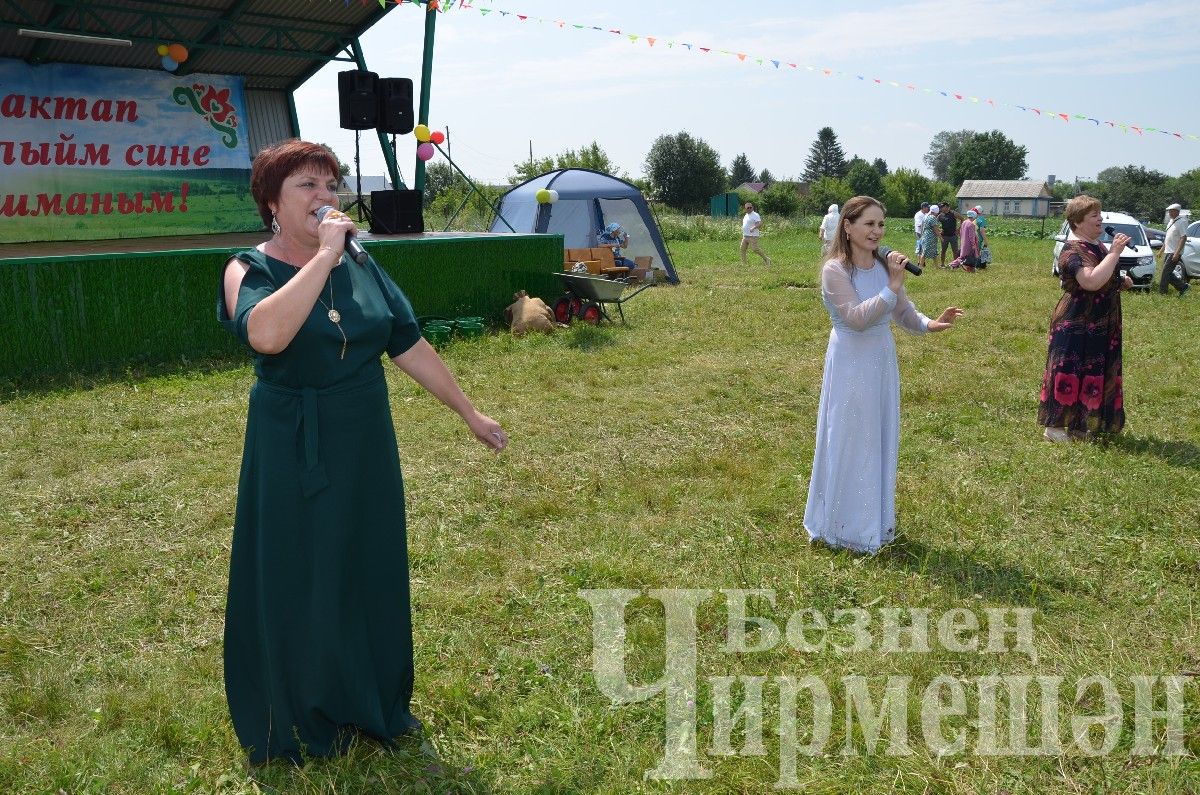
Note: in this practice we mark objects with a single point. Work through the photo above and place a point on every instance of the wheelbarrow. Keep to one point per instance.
(586, 296)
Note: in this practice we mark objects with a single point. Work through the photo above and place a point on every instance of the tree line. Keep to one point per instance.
(684, 172)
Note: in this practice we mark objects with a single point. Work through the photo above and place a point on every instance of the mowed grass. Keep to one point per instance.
(672, 453)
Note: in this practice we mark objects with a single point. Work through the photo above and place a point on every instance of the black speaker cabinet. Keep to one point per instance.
(396, 105)
(358, 105)
(395, 212)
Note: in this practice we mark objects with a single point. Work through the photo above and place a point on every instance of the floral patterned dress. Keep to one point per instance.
(1081, 389)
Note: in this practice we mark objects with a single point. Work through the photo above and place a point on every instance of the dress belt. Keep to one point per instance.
(313, 478)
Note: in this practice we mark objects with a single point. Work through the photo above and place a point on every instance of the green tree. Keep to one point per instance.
(766, 177)
(881, 166)
(439, 176)
(864, 180)
(824, 192)
(590, 156)
(825, 157)
(685, 171)
(989, 155)
(343, 169)
(1134, 189)
(903, 191)
(942, 149)
(741, 171)
(780, 198)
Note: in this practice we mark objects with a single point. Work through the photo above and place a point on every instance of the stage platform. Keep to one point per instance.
(79, 305)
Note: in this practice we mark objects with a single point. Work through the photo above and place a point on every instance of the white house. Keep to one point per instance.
(1019, 197)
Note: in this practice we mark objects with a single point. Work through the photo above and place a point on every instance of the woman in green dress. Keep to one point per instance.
(318, 635)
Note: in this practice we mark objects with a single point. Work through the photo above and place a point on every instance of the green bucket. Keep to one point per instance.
(468, 329)
(436, 334)
(459, 321)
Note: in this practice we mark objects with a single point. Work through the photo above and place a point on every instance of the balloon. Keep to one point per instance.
(437, 137)
(163, 49)
(542, 196)
(169, 63)
(553, 195)
(425, 151)
(421, 133)
(178, 52)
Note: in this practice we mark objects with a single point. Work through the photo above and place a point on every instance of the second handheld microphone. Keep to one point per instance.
(353, 247)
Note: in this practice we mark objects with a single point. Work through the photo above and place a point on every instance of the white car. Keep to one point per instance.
(1189, 267)
(1137, 260)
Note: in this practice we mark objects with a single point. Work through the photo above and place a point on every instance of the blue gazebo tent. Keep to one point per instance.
(587, 202)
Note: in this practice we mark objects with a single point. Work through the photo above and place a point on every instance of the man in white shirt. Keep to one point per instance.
(829, 225)
(919, 223)
(751, 232)
(1173, 253)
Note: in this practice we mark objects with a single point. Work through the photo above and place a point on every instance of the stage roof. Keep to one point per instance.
(274, 44)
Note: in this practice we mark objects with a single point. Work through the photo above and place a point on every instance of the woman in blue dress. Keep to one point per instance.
(318, 631)
(852, 491)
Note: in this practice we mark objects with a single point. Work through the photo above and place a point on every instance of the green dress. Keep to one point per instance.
(318, 633)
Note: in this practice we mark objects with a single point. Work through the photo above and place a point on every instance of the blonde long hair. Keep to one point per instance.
(851, 211)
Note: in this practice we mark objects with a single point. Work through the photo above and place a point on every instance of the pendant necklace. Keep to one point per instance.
(334, 316)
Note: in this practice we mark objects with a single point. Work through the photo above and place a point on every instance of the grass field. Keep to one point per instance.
(672, 453)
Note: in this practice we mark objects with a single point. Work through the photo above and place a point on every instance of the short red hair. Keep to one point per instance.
(278, 162)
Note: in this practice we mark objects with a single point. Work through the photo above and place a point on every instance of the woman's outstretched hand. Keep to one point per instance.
(946, 319)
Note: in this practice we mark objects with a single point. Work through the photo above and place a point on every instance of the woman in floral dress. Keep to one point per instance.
(1081, 388)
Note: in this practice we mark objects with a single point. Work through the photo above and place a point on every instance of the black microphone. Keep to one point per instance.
(353, 247)
(1112, 233)
(883, 251)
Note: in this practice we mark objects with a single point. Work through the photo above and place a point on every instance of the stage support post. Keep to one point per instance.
(426, 79)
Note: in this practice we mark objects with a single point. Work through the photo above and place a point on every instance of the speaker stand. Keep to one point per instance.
(358, 202)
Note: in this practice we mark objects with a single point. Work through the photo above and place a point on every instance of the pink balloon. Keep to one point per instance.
(425, 151)
(437, 137)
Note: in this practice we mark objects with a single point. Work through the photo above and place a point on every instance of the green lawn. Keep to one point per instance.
(672, 453)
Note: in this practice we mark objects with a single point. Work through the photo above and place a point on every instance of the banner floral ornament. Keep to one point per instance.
(213, 104)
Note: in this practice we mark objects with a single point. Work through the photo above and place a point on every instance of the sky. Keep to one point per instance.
(500, 83)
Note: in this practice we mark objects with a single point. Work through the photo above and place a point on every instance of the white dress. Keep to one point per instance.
(852, 492)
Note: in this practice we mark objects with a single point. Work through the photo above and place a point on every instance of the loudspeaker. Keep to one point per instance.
(358, 107)
(396, 105)
(395, 212)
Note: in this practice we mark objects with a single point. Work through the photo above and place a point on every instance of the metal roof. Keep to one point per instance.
(1002, 189)
(274, 44)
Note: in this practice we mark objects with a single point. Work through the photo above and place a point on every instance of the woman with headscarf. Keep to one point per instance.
(829, 225)
(968, 244)
(927, 246)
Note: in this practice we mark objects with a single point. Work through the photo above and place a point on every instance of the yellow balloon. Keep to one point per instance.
(421, 132)
(542, 196)
(162, 49)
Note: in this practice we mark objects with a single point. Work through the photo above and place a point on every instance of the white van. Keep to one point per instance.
(1137, 260)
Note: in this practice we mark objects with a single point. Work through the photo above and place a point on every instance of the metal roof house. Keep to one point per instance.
(1012, 197)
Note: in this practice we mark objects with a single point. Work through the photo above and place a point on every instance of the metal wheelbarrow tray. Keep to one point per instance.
(586, 296)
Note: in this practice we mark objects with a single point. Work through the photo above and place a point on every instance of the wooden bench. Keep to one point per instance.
(598, 260)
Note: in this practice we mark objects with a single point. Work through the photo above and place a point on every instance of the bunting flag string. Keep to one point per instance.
(779, 64)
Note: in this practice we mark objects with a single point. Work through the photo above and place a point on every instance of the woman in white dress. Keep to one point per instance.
(852, 492)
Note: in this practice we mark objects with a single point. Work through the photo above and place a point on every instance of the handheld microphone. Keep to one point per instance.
(883, 251)
(1112, 233)
(353, 247)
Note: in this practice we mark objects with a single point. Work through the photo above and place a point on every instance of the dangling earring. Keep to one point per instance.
(274, 224)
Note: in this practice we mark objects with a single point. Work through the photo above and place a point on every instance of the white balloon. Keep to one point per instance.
(553, 196)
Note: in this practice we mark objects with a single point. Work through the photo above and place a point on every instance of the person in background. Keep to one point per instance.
(318, 626)
(949, 219)
(927, 246)
(615, 237)
(828, 229)
(852, 491)
(1176, 238)
(981, 233)
(751, 232)
(968, 251)
(1081, 387)
(919, 224)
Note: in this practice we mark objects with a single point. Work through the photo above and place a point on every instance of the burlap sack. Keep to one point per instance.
(529, 314)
